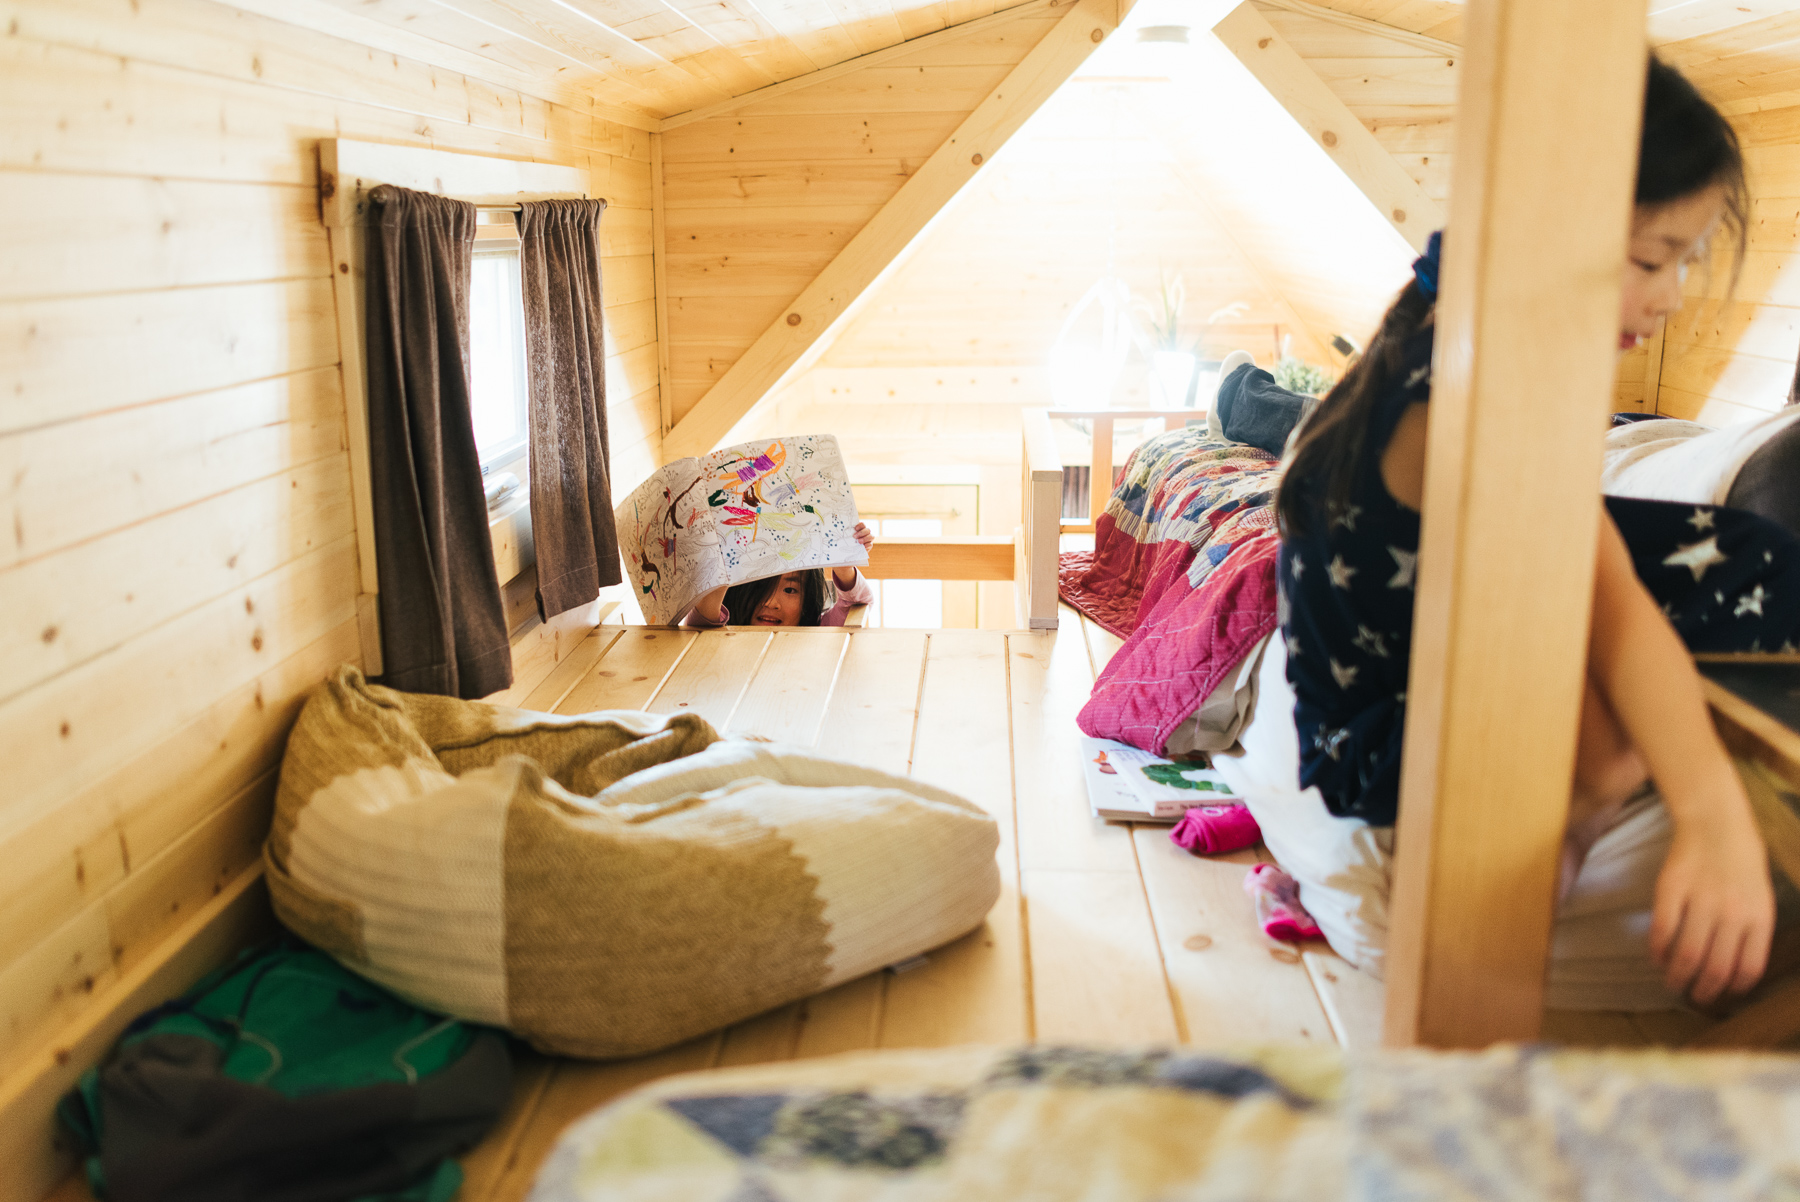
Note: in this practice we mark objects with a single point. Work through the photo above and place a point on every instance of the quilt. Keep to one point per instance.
(1297, 1124)
(1183, 569)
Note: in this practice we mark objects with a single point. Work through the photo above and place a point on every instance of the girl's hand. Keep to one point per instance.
(845, 578)
(1715, 909)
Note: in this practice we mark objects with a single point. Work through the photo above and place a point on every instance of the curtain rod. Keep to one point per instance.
(512, 208)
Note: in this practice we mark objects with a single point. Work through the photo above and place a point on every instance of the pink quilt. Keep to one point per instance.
(1183, 568)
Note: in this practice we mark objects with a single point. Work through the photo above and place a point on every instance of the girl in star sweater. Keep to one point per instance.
(1349, 512)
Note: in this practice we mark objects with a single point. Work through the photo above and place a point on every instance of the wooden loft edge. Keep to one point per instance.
(874, 58)
(1322, 12)
(1330, 123)
(234, 918)
(878, 244)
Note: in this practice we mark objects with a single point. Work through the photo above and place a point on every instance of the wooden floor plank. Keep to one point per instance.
(763, 1039)
(962, 742)
(973, 990)
(630, 672)
(1057, 829)
(1096, 974)
(1216, 956)
(489, 1162)
(1592, 1029)
(845, 1019)
(712, 676)
(875, 706)
(571, 671)
(1352, 999)
(1671, 1028)
(578, 1087)
(869, 720)
(1102, 644)
(787, 699)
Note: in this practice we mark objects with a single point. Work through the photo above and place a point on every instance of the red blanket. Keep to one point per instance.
(1183, 568)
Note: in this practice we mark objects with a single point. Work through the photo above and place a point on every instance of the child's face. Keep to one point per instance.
(783, 606)
(1664, 240)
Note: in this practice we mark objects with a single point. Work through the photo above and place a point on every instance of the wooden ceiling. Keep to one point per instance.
(640, 61)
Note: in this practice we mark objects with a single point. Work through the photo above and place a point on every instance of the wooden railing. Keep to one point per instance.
(1100, 479)
(964, 557)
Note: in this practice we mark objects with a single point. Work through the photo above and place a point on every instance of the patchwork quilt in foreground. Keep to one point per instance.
(1299, 1123)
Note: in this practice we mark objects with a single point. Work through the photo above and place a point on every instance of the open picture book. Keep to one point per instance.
(743, 513)
(1126, 784)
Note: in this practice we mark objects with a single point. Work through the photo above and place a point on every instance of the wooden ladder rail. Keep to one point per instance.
(1538, 210)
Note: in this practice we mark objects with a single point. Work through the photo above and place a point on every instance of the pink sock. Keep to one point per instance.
(1214, 830)
(1278, 908)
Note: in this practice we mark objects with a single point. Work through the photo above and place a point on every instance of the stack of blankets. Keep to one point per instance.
(1183, 569)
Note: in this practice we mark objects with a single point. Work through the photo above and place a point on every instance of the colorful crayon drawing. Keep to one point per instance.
(738, 514)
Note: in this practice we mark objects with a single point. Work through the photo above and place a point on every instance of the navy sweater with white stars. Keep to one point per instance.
(1728, 580)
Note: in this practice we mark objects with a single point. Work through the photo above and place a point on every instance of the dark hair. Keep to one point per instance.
(743, 600)
(1686, 146)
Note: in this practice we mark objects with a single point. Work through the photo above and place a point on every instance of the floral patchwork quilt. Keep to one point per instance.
(1183, 568)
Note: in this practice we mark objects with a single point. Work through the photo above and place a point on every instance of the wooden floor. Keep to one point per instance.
(1103, 933)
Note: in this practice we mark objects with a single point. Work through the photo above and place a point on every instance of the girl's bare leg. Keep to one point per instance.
(1608, 772)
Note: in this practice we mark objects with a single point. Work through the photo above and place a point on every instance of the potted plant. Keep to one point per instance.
(1173, 364)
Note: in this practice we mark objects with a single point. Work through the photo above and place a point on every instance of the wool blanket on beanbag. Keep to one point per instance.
(604, 884)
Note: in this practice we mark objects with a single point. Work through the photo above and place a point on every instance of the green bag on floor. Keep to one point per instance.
(283, 1077)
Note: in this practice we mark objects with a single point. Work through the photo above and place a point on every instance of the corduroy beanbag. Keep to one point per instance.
(604, 884)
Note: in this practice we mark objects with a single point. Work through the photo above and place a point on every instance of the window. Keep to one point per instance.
(497, 356)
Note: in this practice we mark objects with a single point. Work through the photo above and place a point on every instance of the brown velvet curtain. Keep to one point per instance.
(443, 627)
(565, 357)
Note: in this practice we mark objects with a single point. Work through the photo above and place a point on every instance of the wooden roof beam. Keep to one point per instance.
(820, 308)
(1330, 123)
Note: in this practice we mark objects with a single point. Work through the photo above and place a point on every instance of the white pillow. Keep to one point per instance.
(1672, 460)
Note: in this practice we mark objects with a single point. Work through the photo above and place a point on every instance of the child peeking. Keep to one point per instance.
(790, 599)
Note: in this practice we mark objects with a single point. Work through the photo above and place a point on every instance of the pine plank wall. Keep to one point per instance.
(179, 563)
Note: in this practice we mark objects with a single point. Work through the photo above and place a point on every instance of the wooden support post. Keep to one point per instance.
(1040, 531)
(1100, 477)
(1527, 330)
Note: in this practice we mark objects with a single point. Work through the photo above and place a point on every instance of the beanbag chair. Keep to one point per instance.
(604, 884)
